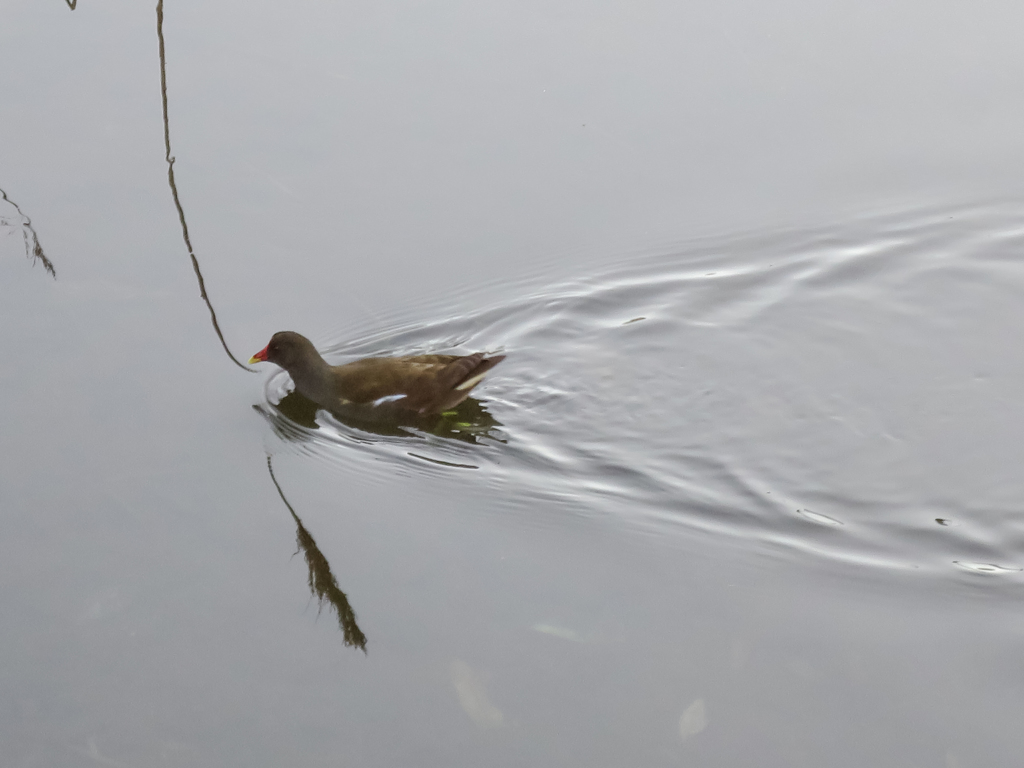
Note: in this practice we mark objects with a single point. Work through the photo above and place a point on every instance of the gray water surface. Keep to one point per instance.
(744, 492)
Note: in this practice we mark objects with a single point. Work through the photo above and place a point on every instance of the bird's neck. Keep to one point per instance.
(313, 379)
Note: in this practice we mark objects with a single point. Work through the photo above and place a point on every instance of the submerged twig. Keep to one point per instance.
(174, 187)
(32, 247)
(322, 584)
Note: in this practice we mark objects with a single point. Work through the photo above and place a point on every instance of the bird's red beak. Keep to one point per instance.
(259, 357)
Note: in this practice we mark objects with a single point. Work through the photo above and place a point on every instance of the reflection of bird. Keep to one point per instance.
(468, 422)
(423, 384)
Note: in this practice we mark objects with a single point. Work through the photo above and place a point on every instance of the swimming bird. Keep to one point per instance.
(421, 384)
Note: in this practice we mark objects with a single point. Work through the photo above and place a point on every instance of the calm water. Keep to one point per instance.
(746, 490)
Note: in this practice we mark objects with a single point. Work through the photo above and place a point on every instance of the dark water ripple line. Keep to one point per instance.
(777, 390)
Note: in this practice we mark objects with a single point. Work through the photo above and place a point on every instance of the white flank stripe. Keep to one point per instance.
(470, 383)
(387, 399)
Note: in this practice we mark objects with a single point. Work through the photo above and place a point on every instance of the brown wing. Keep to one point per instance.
(429, 383)
(428, 359)
(458, 379)
(461, 370)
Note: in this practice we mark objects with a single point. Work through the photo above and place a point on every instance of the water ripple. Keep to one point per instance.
(850, 393)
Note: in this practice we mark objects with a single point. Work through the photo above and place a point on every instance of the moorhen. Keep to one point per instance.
(421, 384)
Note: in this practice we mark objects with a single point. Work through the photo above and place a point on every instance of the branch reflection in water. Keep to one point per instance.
(32, 247)
(322, 584)
(174, 188)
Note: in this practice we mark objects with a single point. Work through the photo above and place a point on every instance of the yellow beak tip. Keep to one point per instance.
(253, 360)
